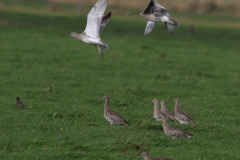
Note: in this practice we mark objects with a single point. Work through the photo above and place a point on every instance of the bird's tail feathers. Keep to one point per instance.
(189, 135)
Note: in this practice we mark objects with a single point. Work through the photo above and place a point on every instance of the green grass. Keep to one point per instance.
(58, 77)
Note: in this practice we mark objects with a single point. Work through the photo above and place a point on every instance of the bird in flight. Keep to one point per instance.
(155, 13)
(96, 21)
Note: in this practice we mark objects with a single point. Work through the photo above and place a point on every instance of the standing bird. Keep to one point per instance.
(157, 13)
(157, 114)
(95, 25)
(19, 104)
(173, 131)
(146, 156)
(169, 114)
(180, 115)
(111, 116)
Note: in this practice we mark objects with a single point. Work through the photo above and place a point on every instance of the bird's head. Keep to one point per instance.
(73, 34)
(144, 154)
(142, 13)
(153, 101)
(162, 102)
(177, 100)
(105, 98)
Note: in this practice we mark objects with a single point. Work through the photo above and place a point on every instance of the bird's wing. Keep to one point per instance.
(94, 18)
(117, 117)
(104, 22)
(149, 28)
(19, 104)
(154, 7)
(185, 116)
(169, 114)
(175, 131)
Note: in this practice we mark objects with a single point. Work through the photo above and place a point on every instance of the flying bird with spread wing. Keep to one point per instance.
(96, 21)
(155, 13)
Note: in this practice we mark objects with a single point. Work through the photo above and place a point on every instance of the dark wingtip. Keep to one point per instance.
(108, 15)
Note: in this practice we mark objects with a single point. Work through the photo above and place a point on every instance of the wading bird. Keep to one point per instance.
(157, 114)
(155, 13)
(19, 104)
(111, 116)
(173, 131)
(95, 25)
(169, 114)
(146, 156)
(180, 115)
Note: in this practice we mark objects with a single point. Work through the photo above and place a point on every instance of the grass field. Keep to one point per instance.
(56, 78)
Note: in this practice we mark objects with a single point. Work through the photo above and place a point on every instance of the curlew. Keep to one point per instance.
(111, 116)
(157, 114)
(95, 25)
(146, 156)
(169, 114)
(180, 115)
(173, 131)
(157, 13)
(19, 104)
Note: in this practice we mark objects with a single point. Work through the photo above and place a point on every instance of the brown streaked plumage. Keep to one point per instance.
(156, 13)
(180, 115)
(111, 116)
(173, 131)
(169, 114)
(19, 104)
(157, 114)
(146, 156)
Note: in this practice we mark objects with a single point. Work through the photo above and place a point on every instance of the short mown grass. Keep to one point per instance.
(56, 78)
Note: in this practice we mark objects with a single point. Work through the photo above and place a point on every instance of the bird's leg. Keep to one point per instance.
(99, 50)
(169, 27)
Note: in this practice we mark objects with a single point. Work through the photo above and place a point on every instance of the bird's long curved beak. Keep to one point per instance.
(133, 14)
(135, 157)
(96, 100)
(147, 102)
(65, 35)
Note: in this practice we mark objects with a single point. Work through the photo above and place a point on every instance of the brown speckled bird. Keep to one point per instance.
(111, 116)
(157, 114)
(180, 115)
(169, 114)
(19, 104)
(146, 156)
(173, 131)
